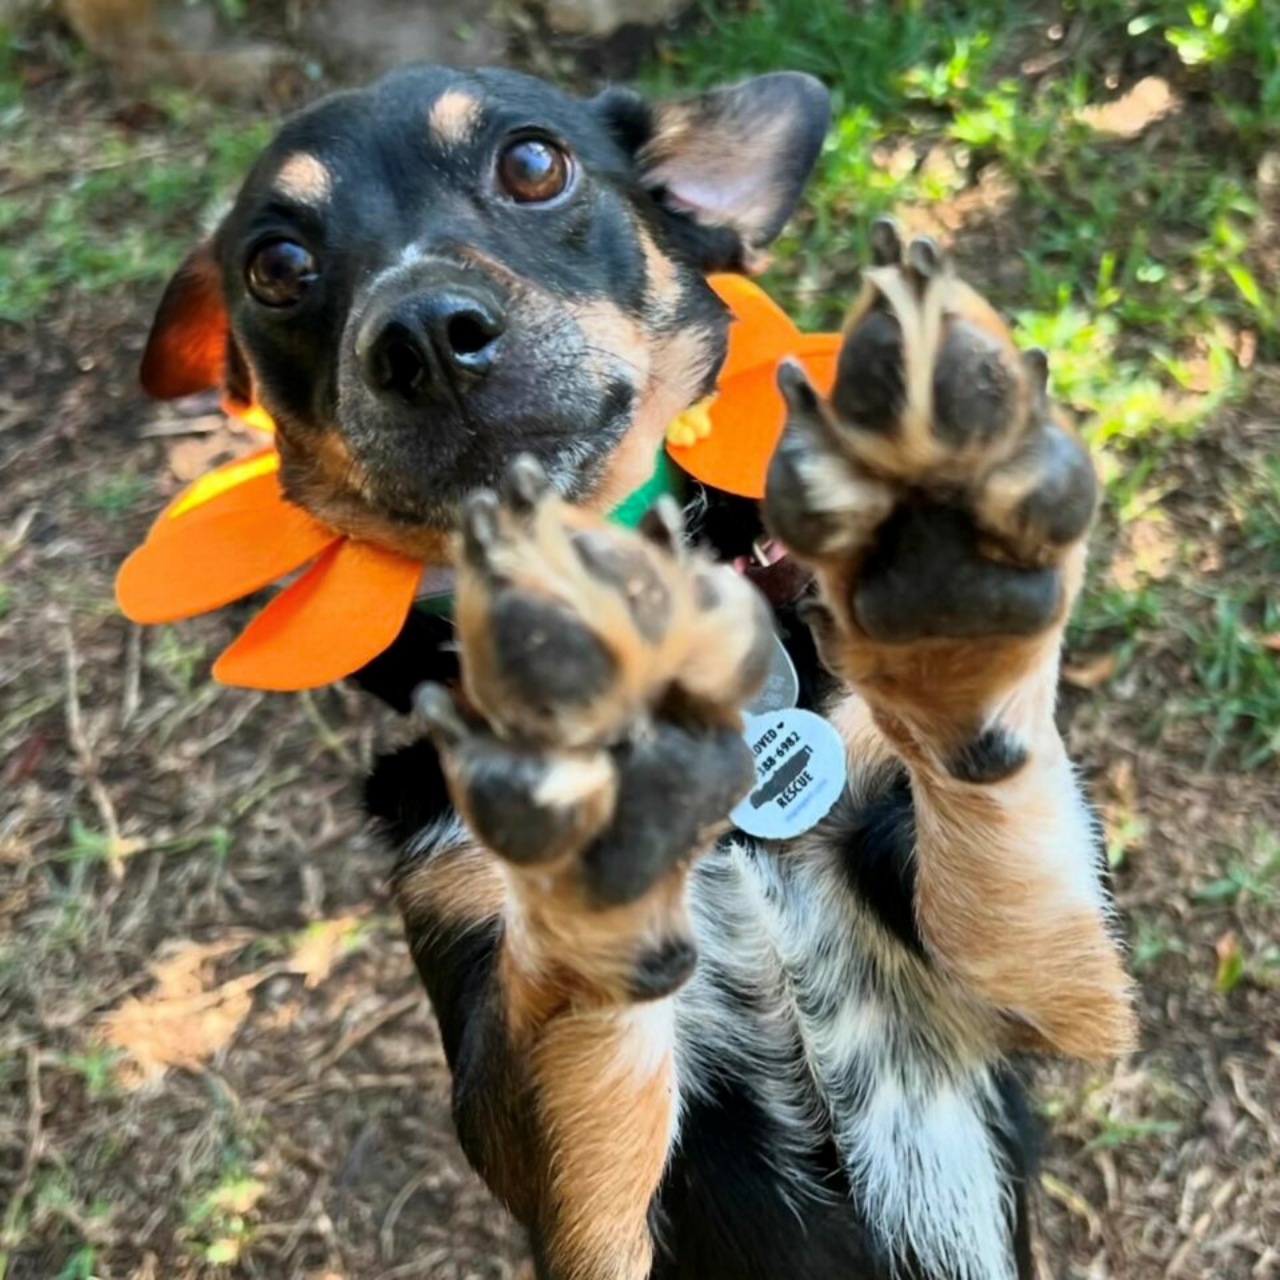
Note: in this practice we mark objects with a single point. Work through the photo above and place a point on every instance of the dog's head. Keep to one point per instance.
(422, 278)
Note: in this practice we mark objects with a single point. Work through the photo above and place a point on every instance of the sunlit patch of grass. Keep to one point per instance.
(219, 1223)
(1237, 671)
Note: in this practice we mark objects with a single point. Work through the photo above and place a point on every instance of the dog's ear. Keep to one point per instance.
(187, 347)
(730, 163)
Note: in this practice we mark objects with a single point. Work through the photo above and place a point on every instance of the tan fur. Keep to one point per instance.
(462, 884)
(681, 145)
(305, 178)
(662, 277)
(540, 558)
(453, 117)
(588, 955)
(997, 901)
(601, 1079)
(679, 362)
(1000, 917)
(615, 339)
(607, 1113)
(1006, 900)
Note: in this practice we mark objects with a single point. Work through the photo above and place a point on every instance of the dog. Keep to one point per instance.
(472, 303)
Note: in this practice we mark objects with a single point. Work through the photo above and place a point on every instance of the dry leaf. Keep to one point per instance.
(1149, 100)
(1091, 673)
(184, 1020)
(323, 944)
(1272, 641)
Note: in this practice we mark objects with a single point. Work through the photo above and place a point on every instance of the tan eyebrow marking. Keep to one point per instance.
(304, 177)
(452, 117)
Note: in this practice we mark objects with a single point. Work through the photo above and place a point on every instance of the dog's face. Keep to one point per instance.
(422, 278)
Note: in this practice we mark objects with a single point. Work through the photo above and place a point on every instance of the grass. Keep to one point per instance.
(1238, 673)
(120, 213)
(218, 1222)
(1253, 875)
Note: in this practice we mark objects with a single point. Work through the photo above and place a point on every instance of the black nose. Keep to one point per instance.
(434, 345)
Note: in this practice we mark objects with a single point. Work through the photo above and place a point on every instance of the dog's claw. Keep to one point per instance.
(886, 243)
(434, 704)
(480, 526)
(663, 524)
(796, 388)
(1036, 362)
(524, 483)
(924, 257)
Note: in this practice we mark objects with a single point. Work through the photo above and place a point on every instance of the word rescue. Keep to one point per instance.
(800, 772)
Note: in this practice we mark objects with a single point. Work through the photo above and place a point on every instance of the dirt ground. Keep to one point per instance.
(215, 1059)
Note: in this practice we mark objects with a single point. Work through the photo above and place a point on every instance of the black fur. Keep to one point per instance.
(876, 841)
(992, 756)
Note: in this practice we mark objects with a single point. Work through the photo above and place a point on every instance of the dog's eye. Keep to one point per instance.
(533, 170)
(280, 272)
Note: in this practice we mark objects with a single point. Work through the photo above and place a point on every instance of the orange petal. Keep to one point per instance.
(761, 333)
(224, 479)
(747, 417)
(192, 567)
(345, 610)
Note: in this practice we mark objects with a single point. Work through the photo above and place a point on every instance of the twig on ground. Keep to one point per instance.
(387, 1232)
(30, 1159)
(131, 694)
(117, 847)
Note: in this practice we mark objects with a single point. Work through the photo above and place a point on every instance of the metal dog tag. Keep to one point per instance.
(800, 773)
(781, 687)
(799, 758)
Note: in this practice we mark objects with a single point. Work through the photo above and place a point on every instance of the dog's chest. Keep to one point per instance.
(806, 1002)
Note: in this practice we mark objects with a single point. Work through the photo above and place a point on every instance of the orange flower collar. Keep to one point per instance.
(232, 532)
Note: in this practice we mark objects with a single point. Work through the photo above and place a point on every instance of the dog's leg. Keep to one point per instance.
(944, 507)
(598, 752)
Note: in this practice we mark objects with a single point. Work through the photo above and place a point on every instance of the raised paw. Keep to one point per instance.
(573, 632)
(589, 812)
(597, 748)
(935, 492)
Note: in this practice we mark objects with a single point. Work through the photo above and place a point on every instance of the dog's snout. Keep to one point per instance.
(434, 344)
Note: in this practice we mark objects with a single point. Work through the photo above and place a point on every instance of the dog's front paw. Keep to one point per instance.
(605, 671)
(936, 494)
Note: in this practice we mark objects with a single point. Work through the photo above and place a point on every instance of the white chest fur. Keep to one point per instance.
(843, 1035)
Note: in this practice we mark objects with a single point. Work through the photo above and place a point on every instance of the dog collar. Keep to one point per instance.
(232, 532)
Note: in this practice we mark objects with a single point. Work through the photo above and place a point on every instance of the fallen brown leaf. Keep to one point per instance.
(184, 1021)
(1091, 673)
